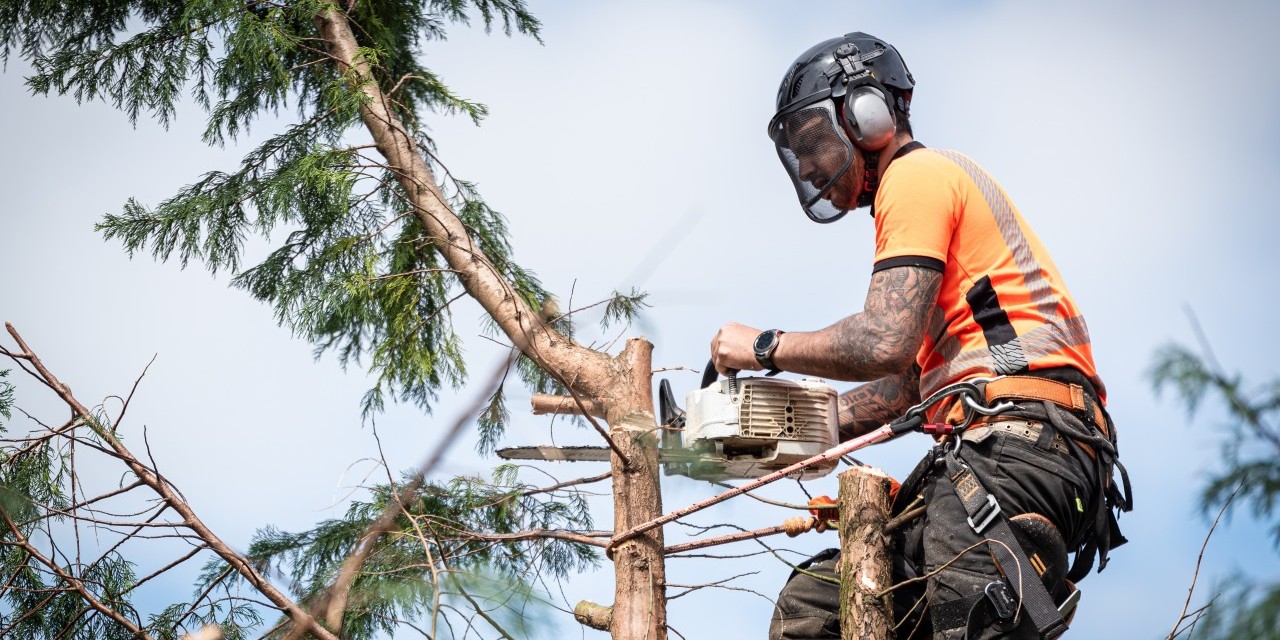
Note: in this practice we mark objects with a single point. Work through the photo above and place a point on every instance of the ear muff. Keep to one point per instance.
(868, 117)
(868, 107)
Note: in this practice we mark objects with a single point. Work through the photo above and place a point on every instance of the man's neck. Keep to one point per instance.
(887, 153)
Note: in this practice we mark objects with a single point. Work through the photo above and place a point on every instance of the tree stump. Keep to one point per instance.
(865, 551)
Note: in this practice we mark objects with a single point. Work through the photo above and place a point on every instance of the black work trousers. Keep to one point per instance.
(1042, 476)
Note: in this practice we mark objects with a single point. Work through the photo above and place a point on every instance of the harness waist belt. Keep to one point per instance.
(1065, 395)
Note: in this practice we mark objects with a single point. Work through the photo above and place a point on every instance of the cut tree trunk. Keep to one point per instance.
(639, 604)
(865, 551)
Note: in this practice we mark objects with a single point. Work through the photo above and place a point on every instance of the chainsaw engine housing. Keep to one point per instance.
(750, 427)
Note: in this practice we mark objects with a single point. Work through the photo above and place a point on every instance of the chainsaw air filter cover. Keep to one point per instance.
(755, 426)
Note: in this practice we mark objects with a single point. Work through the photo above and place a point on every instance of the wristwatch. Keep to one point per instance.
(766, 343)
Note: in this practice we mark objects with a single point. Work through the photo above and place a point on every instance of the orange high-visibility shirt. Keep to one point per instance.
(1003, 307)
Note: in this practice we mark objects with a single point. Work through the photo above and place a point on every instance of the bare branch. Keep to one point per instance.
(568, 483)
(726, 539)
(1195, 575)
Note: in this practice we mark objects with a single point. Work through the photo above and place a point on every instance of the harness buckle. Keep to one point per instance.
(1001, 597)
(1069, 604)
(986, 514)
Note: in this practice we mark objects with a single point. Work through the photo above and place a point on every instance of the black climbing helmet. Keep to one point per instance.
(838, 97)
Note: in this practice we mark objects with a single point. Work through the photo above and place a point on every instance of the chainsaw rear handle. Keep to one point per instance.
(710, 374)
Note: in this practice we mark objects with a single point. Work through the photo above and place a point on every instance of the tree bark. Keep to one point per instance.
(865, 555)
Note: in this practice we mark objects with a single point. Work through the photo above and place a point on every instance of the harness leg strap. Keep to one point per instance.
(985, 518)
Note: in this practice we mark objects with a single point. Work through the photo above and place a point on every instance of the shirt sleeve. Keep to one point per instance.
(916, 208)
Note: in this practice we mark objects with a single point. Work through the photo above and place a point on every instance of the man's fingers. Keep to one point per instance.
(731, 348)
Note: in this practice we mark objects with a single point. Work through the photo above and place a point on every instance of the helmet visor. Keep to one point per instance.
(816, 153)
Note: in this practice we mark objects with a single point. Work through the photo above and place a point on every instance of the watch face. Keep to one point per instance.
(764, 340)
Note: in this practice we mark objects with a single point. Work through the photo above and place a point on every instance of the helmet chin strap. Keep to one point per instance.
(870, 178)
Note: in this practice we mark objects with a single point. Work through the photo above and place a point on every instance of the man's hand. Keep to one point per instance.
(733, 348)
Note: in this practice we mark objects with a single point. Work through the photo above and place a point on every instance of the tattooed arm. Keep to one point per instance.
(880, 341)
(869, 406)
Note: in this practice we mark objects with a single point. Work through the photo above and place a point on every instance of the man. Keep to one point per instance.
(961, 290)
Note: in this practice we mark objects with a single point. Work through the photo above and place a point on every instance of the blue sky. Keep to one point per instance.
(1139, 139)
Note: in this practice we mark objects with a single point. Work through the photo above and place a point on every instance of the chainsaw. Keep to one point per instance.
(732, 428)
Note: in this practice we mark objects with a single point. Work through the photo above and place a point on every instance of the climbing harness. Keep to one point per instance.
(978, 402)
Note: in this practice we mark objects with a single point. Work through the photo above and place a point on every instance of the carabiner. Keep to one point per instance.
(988, 411)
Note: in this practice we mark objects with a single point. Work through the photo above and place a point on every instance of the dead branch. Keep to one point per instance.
(568, 483)
(725, 539)
(593, 615)
(718, 584)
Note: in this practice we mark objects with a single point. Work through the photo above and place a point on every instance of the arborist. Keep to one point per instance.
(966, 312)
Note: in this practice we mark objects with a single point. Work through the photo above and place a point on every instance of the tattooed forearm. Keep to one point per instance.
(871, 405)
(889, 331)
(880, 341)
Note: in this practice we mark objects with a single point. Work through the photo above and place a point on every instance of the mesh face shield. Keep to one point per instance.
(816, 153)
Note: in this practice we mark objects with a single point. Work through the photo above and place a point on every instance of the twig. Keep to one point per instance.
(530, 534)
(125, 403)
(725, 539)
(903, 518)
(776, 503)
(690, 588)
(568, 483)
(1195, 575)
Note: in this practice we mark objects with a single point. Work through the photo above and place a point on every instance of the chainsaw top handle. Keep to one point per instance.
(709, 374)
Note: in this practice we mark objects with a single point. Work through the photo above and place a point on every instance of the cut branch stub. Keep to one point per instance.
(548, 404)
(596, 616)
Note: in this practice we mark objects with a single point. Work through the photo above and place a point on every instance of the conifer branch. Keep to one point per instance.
(477, 274)
(74, 583)
(168, 495)
(337, 595)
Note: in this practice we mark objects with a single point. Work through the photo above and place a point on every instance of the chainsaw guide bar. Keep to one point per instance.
(736, 428)
(585, 454)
